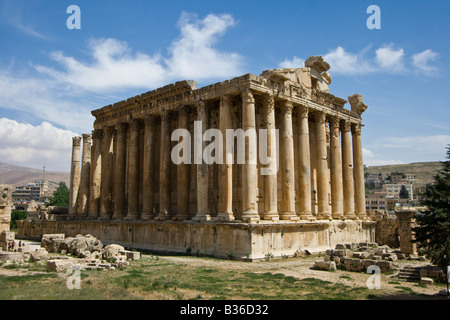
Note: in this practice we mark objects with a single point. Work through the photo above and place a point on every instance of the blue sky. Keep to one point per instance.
(51, 77)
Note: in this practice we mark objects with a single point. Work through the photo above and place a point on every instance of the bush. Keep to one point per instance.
(17, 215)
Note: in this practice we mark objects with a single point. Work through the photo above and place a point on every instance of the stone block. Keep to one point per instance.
(59, 265)
(340, 246)
(340, 253)
(353, 264)
(357, 255)
(133, 255)
(385, 266)
(325, 265)
(15, 257)
(425, 280)
(368, 263)
(39, 255)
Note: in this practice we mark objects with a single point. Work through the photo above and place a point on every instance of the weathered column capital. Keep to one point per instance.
(149, 119)
(303, 112)
(334, 122)
(76, 141)
(269, 102)
(184, 110)
(165, 115)
(121, 126)
(286, 107)
(87, 137)
(247, 96)
(320, 117)
(346, 126)
(356, 129)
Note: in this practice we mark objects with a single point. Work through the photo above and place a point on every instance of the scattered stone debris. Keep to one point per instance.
(359, 256)
(85, 251)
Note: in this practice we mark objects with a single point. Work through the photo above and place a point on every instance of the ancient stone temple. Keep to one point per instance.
(132, 183)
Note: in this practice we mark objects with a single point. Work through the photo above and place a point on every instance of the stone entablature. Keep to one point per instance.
(126, 171)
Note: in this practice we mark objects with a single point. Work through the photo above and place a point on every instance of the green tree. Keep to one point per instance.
(60, 196)
(17, 215)
(433, 226)
(404, 194)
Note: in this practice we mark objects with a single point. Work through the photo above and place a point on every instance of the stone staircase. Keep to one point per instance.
(409, 273)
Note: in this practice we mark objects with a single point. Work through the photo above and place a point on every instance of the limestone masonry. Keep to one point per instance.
(125, 188)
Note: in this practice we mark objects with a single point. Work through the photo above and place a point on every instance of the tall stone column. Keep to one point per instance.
(322, 168)
(96, 175)
(203, 213)
(225, 169)
(149, 170)
(107, 179)
(74, 176)
(183, 172)
(347, 172)
(270, 180)
(304, 174)
(133, 172)
(360, 200)
(287, 163)
(83, 195)
(120, 171)
(164, 178)
(337, 193)
(250, 173)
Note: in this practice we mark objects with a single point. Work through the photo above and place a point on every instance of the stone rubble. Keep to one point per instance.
(84, 251)
(358, 257)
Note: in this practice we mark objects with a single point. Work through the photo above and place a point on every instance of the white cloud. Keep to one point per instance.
(370, 159)
(193, 55)
(28, 145)
(397, 150)
(293, 63)
(421, 62)
(44, 99)
(390, 59)
(385, 59)
(116, 67)
(342, 61)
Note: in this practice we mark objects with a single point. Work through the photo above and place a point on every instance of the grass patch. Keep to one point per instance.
(160, 278)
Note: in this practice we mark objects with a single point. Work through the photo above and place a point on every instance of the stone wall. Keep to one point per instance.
(386, 232)
(5, 206)
(244, 241)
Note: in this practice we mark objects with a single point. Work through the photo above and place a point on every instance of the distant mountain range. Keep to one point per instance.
(16, 175)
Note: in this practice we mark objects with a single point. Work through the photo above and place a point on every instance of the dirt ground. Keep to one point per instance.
(301, 268)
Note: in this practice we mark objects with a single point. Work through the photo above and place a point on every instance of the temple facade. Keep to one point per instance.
(124, 176)
(127, 172)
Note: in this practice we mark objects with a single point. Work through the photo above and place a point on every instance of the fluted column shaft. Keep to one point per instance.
(249, 176)
(120, 171)
(337, 195)
(183, 185)
(225, 168)
(203, 213)
(83, 195)
(96, 174)
(164, 178)
(107, 179)
(322, 168)
(148, 169)
(304, 174)
(74, 176)
(287, 163)
(360, 201)
(347, 172)
(133, 171)
(270, 180)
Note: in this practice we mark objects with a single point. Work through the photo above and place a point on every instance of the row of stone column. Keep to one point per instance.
(97, 184)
